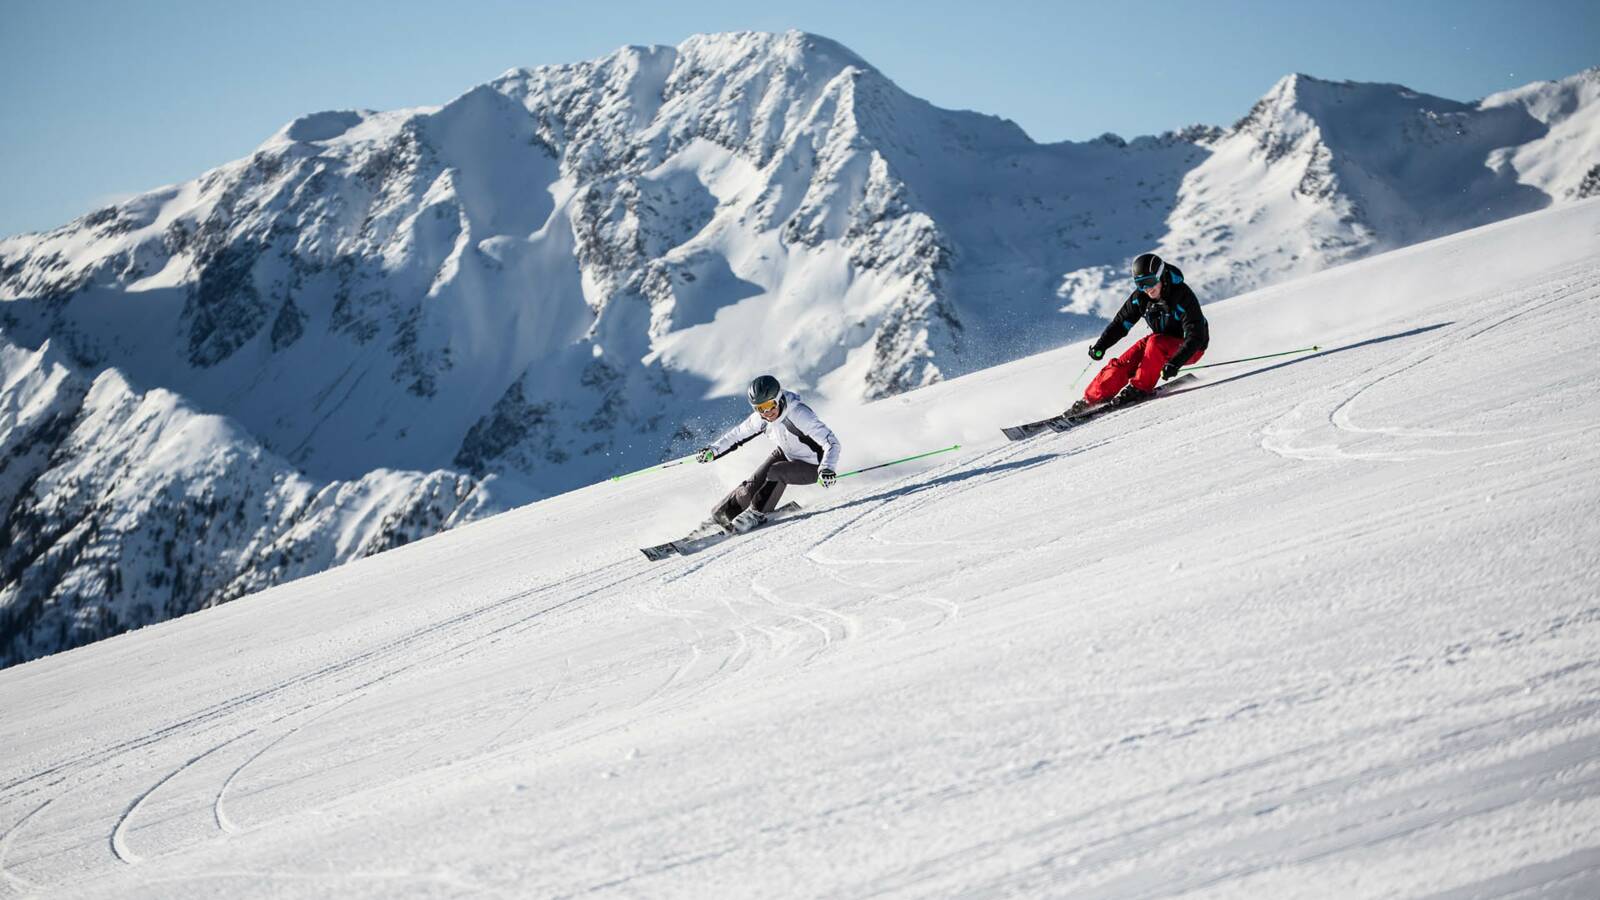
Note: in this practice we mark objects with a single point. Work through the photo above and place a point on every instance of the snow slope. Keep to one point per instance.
(1322, 626)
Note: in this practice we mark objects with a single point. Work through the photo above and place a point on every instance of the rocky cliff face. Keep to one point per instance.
(126, 508)
(563, 273)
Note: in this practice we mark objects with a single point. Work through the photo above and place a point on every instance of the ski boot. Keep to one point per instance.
(1128, 396)
(750, 518)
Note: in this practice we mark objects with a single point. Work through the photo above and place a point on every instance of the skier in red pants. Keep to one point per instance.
(1178, 336)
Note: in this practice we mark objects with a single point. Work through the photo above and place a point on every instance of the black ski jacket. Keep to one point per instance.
(1177, 314)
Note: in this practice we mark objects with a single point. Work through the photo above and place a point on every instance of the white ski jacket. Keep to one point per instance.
(797, 432)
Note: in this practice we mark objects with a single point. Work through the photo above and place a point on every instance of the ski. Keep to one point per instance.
(1028, 429)
(662, 551)
(708, 534)
(1062, 423)
(1059, 423)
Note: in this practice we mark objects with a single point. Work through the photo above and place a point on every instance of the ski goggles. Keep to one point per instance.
(1145, 281)
(767, 406)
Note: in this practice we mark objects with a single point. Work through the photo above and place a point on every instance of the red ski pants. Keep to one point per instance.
(1141, 365)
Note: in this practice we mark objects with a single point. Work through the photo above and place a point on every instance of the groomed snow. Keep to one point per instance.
(1320, 626)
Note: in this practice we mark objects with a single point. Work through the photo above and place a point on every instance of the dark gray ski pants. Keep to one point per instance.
(764, 488)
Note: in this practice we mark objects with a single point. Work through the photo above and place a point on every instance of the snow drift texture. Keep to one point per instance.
(380, 324)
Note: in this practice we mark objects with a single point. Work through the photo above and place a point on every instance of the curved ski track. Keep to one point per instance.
(1285, 435)
(476, 626)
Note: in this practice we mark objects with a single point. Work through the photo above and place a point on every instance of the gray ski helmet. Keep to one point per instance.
(764, 389)
(1148, 268)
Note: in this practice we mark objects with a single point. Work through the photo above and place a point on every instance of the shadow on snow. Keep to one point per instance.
(943, 480)
(1305, 359)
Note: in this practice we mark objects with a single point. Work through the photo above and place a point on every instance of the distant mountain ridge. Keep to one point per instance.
(560, 274)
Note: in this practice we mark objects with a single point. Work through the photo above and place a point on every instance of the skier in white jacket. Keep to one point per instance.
(807, 454)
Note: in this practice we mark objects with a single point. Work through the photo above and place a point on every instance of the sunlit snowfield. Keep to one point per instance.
(1324, 625)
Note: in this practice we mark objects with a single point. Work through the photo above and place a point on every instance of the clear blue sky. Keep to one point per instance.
(103, 99)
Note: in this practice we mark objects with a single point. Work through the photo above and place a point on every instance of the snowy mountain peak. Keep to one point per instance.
(1276, 121)
(1340, 112)
(1342, 169)
(1565, 163)
(323, 126)
(1552, 100)
(793, 49)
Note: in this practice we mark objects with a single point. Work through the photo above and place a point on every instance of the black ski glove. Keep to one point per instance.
(826, 477)
(705, 455)
(1170, 370)
(1096, 353)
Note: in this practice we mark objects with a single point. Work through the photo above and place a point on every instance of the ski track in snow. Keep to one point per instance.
(119, 832)
(522, 716)
(218, 804)
(118, 840)
(1367, 821)
(22, 885)
(1280, 436)
(234, 704)
(1356, 656)
(781, 618)
(1351, 820)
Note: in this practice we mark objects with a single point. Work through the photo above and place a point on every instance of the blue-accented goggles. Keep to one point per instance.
(1145, 281)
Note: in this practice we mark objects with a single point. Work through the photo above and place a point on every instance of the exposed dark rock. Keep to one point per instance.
(288, 326)
(515, 430)
(224, 309)
(1590, 185)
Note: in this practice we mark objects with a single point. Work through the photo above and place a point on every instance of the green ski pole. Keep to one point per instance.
(1229, 362)
(658, 466)
(896, 462)
(1074, 388)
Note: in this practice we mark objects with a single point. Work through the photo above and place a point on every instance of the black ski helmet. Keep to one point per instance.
(1146, 265)
(764, 389)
